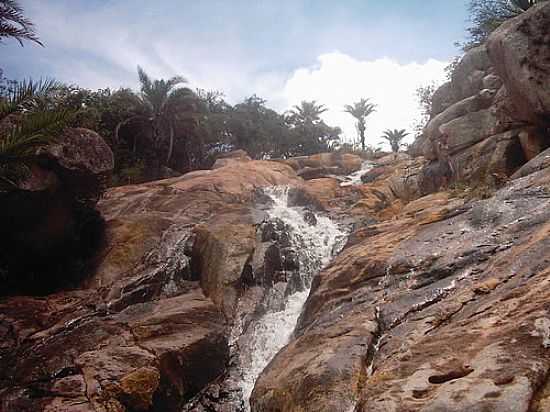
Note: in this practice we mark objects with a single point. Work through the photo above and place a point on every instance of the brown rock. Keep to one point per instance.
(499, 154)
(469, 129)
(82, 160)
(221, 250)
(520, 53)
(347, 163)
(394, 323)
(138, 388)
(467, 78)
(533, 141)
(143, 309)
(540, 162)
(235, 156)
(442, 98)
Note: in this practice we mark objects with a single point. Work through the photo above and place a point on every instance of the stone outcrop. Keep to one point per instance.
(231, 157)
(497, 100)
(440, 303)
(438, 309)
(150, 325)
(437, 302)
(324, 164)
(520, 53)
(50, 212)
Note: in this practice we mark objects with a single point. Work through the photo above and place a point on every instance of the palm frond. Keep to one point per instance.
(34, 131)
(27, 94)
(144, 79)
(361, 109)
(174, 81)
(13, 24)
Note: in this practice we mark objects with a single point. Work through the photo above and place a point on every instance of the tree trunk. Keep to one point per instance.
(170, 145)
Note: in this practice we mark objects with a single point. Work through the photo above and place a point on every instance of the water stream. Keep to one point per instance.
(355, 177)
(315, 245)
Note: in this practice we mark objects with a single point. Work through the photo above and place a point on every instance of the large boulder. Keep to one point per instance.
(221, 252)
(468, 75)
(540, 162)
(48, 218)
(467, 130)
(82, 161)
(442, 98)
(325, 163)
(520, 52)
(500, 154)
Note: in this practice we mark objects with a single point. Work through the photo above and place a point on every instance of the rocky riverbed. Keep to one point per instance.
(319, 283)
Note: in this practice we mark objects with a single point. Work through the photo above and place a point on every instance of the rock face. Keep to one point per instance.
(439, 309)
(440, 304)
(497, 100)
(51, 211)
(520, 53)
(149, 328)
(437, 302)
(324, 164)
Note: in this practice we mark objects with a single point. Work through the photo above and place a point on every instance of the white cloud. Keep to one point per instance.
(339, 79)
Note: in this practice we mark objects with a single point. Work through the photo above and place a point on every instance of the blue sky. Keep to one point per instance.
(272, 48)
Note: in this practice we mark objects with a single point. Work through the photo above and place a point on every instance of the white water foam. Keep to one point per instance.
(354, 178)
(315, 246)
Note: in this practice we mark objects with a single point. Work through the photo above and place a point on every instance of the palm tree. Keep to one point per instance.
(361, 110)
(13, 24)
(394, 138)
(26, 124)
(159, 104)
(307, 112)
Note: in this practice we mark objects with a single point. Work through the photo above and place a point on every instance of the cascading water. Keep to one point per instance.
(315, 245)
(355, 177)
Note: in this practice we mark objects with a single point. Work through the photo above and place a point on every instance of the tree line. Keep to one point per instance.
(164, 127)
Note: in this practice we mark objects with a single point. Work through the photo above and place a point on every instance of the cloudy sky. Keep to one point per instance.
(285, 51)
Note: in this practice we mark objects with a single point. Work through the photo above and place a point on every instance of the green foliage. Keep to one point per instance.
(25, 126)
(395, 138)
(13, 24)
(308, 133)
(159, 114)
(163, 125)
(33, 131)
(487, 15)
(132, 174)
(424, 94)
(361, 110)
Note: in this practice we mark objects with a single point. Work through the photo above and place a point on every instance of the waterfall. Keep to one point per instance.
(315, 245)
(355, 177)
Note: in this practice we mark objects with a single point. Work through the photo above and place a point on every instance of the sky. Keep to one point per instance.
(285, 51)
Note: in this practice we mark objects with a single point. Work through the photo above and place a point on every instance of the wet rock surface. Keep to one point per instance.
(436, 310)
(439, 300)
(149, 328)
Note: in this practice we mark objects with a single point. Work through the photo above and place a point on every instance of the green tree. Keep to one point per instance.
(14, 25)
(259, 130)
(361, 110)
(394, 138)
(308, 132)
(26, 125)
(307, 112)
(156, 109)
(487, 15)
(424, 94)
